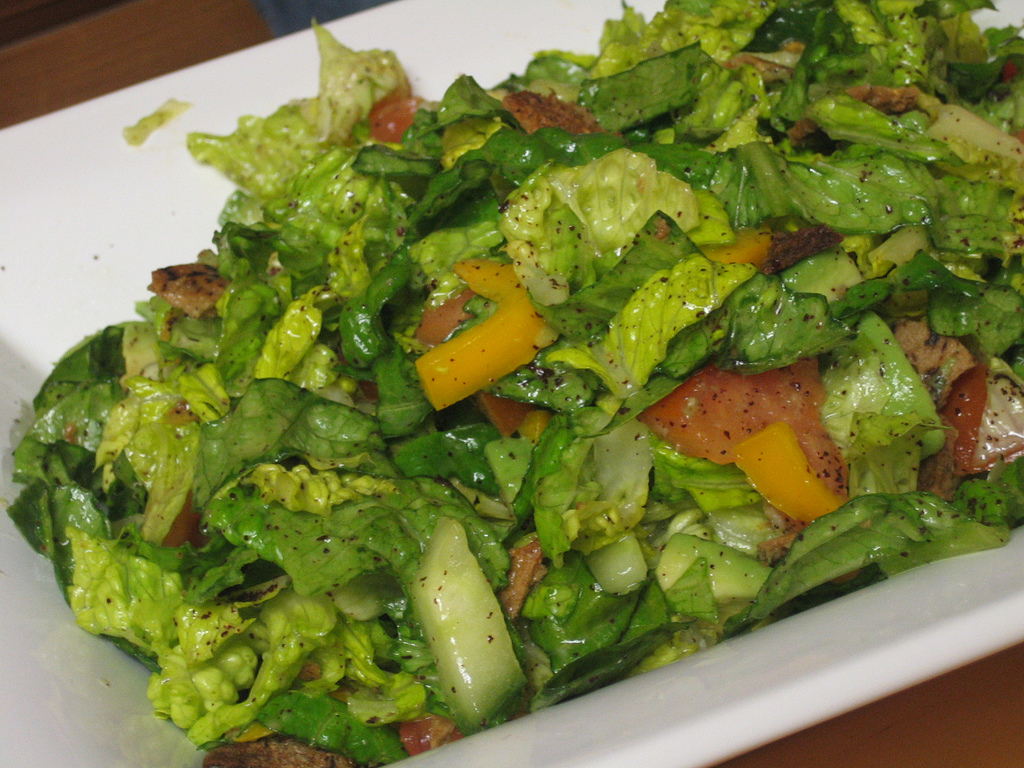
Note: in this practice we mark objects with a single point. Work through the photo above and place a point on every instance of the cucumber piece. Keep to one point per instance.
(733, 575)
(465, 629)
(619, 567)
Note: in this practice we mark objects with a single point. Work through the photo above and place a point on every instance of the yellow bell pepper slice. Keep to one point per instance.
(255, 732)
(750, 247)
(534, 424)
(777, 467)
(481, 355)
(491, 279)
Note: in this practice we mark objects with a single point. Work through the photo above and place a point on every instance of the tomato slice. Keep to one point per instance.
(503, 412)
(391, 116)
(437, 323)
(713, 411)
(963, 409)
(986, 408)
(187, 527)
(426, 733)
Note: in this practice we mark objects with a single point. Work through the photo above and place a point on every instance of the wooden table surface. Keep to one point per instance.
(969, 718)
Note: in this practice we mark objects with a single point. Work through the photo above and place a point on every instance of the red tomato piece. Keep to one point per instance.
(963, 409)
(426, 733)
(713, 411)
(391, 116)
(437, 323)
(504, 413)
(187, 527)
(987, 411)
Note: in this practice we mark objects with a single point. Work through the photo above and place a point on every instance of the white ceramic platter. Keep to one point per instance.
(84, 218)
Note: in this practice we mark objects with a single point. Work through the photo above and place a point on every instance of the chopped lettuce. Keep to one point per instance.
(721, 27)
(891, 532)
(566, 227)
(262, 506)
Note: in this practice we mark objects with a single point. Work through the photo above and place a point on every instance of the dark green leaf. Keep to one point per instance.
(660, 245)
(648, 90)
(276, 420)
(600, 668)
(385, 531)
(325, 722)
(401, 404)
(547, 384)
(991, 313)
(457, 453)
(98, 358)
(894, 532)
(361, 323)
(571, 616)
(761, 325)
(516, 155)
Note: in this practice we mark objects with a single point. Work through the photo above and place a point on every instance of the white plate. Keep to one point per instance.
(84, 219)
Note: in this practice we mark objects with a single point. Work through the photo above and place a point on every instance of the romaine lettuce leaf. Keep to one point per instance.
(650, 89)
(660, 245)
(853, 191)
(895, 34)
(275, 420)
(567, 227)
(263, 152)
(351, 82)
(587, 488)
(325, 722)
(227, 691)
(761, 325)
(878, 411)
(378, 525)
(990, 313)
(571, 616)
(549, 383)
(160, 448)
(454, 453)
(721, 27)
(893, 532)
(845, 118)
(122, 595)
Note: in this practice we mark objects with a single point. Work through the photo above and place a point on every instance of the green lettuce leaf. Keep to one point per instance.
(852, 191)
(990, 313)
(762, 325)
(122, 595)
(351, 82)
(571, 616)
(587, 488)
(275, 420)
(845, 118)
(878, 411)
(549, 383)
(333, 217)
(721, 27)
(660, 245)
(458, 453)
(566, 227)
(376, 525)
(651, 88)
(325, 722)
(892, 532)
(263, 152)
(228, 690)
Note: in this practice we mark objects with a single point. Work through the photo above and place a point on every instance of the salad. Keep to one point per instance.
(477, 405)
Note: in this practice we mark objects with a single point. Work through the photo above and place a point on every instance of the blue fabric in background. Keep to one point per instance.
(286, 16)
